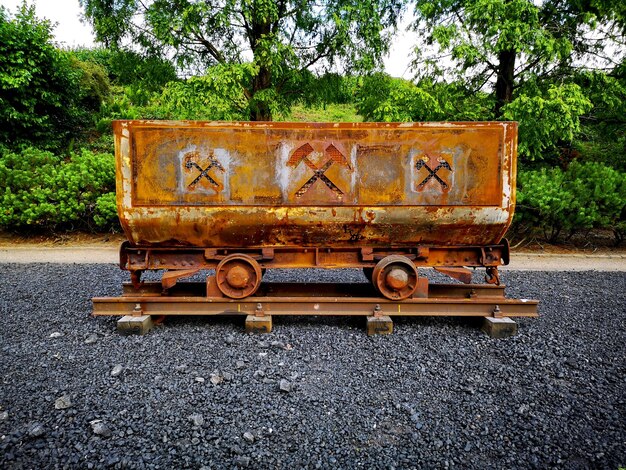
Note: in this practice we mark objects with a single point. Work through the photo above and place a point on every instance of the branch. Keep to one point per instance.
(216, 54)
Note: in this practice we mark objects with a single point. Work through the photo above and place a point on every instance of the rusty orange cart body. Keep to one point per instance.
(242, 197)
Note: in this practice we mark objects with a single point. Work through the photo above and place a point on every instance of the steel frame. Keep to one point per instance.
(481, 300)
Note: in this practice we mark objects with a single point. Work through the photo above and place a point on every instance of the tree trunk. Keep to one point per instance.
(505, 80)
(260, 110)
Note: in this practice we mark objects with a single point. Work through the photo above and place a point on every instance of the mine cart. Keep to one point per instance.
(240, 198)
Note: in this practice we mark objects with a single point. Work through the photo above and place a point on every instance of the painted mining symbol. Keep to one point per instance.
(191, 162)
(302, 154)
(421, 163)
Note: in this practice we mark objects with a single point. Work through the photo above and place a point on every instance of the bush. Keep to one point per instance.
(43, 190)
(585, 196)
(383, 98)
(128, 68)
(105, 215)
(45, 94)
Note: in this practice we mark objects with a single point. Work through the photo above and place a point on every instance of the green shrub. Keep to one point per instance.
(543, 202)
(46, 95)
(44, 190)
(384, 98)
(585, 196)
(105, 215)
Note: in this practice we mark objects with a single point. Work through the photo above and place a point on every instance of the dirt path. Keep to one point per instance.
(108, 253)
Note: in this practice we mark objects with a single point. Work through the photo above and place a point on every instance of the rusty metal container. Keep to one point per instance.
(242, 184)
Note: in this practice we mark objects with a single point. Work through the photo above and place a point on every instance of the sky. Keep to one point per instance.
(70, 32)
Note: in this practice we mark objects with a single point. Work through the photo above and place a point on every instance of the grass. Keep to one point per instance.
(327, 113)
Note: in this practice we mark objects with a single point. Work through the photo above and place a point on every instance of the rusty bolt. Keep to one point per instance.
(238, 277)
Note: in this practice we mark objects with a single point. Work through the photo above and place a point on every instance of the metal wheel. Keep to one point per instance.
(395, 277)
(238, 276)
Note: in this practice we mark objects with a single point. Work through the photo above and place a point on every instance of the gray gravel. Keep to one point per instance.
(438, 393)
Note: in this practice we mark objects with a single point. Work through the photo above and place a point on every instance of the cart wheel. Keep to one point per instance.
(238, 276)
(395, 277)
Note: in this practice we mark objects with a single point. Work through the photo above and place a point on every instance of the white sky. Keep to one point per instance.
(70, 32)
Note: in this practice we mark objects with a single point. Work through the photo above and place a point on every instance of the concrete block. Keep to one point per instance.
(258, 324)
(379, 325)
(135, 325)
(499, 327)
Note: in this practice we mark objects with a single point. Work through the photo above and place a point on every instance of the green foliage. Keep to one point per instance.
(45, 94)
(105, 213)
(328, 88)
(43, 190)
(508, 42)
(585, 196)
(285, 37)
(94, 88)
(217, 95)
(130, 69)
(383, 98)
(547, 119)
(37, 81)
(603, 131)
(328, 113)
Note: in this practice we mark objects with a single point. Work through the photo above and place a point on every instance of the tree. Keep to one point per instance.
(45, 94)
(279, 37)
(507, 42)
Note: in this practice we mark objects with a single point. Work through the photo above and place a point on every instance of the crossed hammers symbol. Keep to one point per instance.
(319, 174)
(205, 173)
(433, 173)
(302, 154)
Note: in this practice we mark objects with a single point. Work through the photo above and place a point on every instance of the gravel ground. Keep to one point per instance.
(200, 393)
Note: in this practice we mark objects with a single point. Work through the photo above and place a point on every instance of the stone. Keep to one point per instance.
(91, 339)
(139, 325)
(258, 324)
(56, 334)
(240, 364)
(242, 461)
(36, 430)
(248, 436)
(216, 379)
(285, 386)
(199, 379)
(117, 370)
(63, 402)
(197, 419)
(229, 340)
(379, 325)
(100, 428)
(4, 415)
(498, 328)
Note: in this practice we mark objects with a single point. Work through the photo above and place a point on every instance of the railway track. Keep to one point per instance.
(138, 306)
